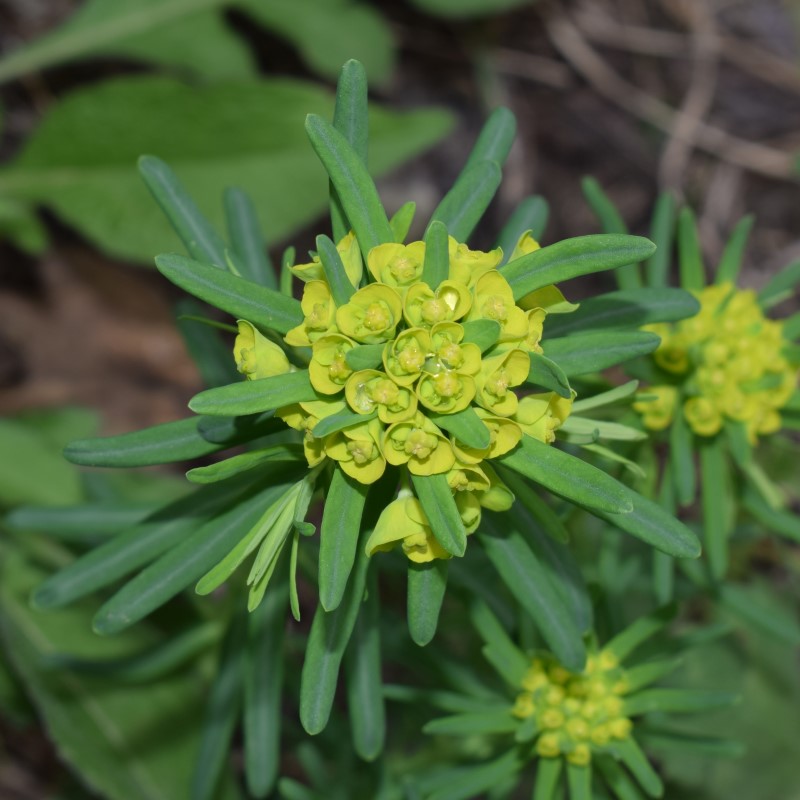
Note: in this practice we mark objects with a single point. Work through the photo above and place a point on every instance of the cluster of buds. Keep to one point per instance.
(728, 362)
(398, 363)
(574, 713)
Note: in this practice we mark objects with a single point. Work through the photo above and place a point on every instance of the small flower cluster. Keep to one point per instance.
(730, 361)
(398, 359)
(574, 713)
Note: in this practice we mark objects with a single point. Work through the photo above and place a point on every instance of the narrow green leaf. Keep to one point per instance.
(776, 520)
(526, 730)
(294, 596)
(625, 309)
(364, 356)
(426, 587)
(365, 701)
(650, 672)
(791, 327)
(631, 755)
(440, 508)
(354, 186)
(530, 583)
(466, 426)
(495, 139)
(509, 661)
(473, 781)
(199, 238)
(572, 258)
(471, 723)
(339, 421)
(247, 240)
(625, 642)
(182, 565)
(548, 374)
(400, 223)
(731, 262)
(252, 397)
(536, 506)
(341, 287)
(718, 503)
(263, 692)
(739, 444)
(286, 278)
(600, 429)
(618, 394)
(436, 266)
(139, 545)
(222, 712)
(662, 231)
(584, 353)
(617, 779)
(237, 430)
(329, 635)
(236, 465)
(463, 206)
(698, 745)
(339, 536)
(757, 609)
(611, 455)
(780, 286)
(482, 332)
(681, 460)
(690, 259)
(579, 780)
(530, 215)
(548, 772)
(351, 119)
(568, 477)
(676, 701)
(241, 298)
(206, 347)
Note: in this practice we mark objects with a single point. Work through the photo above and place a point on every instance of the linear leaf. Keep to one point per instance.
(731, 262)
(690, 259)
(482, 332)
(505, 656)
(631, 755)
(237, 430)
(473, 781)
(583, 353)
(777, 520)
(548, 771)
(618, 394)
(650, 672)
(536, 506)
(718, 501)
(236, 465)
(466, 426)
(210, 353)
(579, 780)
(681, 460)
(475, 722)
(662, 230)
(400, 223)
(426, 587)
(572, 258)
(339, 421)
(495, 139)
(252, 397)
(440, 508)
(617, 779)
(247, 240)
(757, 609)
(625, 642)
(364, 356)
(241, 298)
(341, 287)
(676, 701)
(780, 285)
(545, 372)
(530, 215)
(436, 266)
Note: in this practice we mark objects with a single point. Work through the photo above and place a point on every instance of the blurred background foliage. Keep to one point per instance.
(700, 97)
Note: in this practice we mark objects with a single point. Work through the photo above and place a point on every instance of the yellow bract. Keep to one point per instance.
(318, 315)
(328, 369)
(351, 258)
(256, 356)
(731, 362)
(397, 265)
(404, 522)
(372, 315)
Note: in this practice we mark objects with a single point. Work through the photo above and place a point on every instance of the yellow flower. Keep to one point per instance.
(469, 509)
(703, 416)
(464, 477)
(446, 392)
(658, 412)
(541, 415)
(404, 522)
(420, 445)
(504, 436)
(372, 314)
(328, 369)
(369, 389)
(424, 308)
(358, 452)
(549, 299)
(405, 356)
(494, 299)
(498, 497)
(448, 352)
(466, 265)
(256, 356)
(497, 377)
(397, 265)
(525, 244)
(351, 258)
(318, 311)
(301, 417)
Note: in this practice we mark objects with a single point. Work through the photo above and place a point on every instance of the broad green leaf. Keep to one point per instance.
(509, 661)
(531, 584)
(548, 772)
(583, 353)
(622, 393)
(440, 508)
(436, 267)
(199, 238)
(466, 426)
(471, 723)
(354, 186)
(400, 223)
(339, 421)
(339, 536)
(191, 35)
(463, 206)
(676, 701)
(127, 741)
(572, 258)
(364, 356)
(625, 642)
(236, 465)
(568, 477)
(629, 308)
(252, 397)
(211, 355)
(341, 288)
(241, 298)
(78, 163)
(482, 332)
(731, 262)
(181, 566)
(579, 780)
(263, 690)
(780, 286)
(682, 460)
(36, 474)
(363, 675)
(247, 241)
(530, 215)
(548, 374)
(351, 119)
(426, 587)
(662, 230)
(719, 504)
(690, 259)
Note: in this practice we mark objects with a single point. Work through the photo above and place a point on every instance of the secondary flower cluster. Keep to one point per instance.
(574, 713)
(729, 359)
(395, 366)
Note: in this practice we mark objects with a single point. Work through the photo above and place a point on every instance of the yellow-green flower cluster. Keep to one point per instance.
(575, 713)
(422, 368)
(731, 365)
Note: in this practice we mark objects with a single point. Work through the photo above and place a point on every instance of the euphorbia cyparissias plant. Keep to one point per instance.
(413, 388)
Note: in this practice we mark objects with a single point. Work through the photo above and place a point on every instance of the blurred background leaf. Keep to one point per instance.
(469, 8)
(80, 161)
